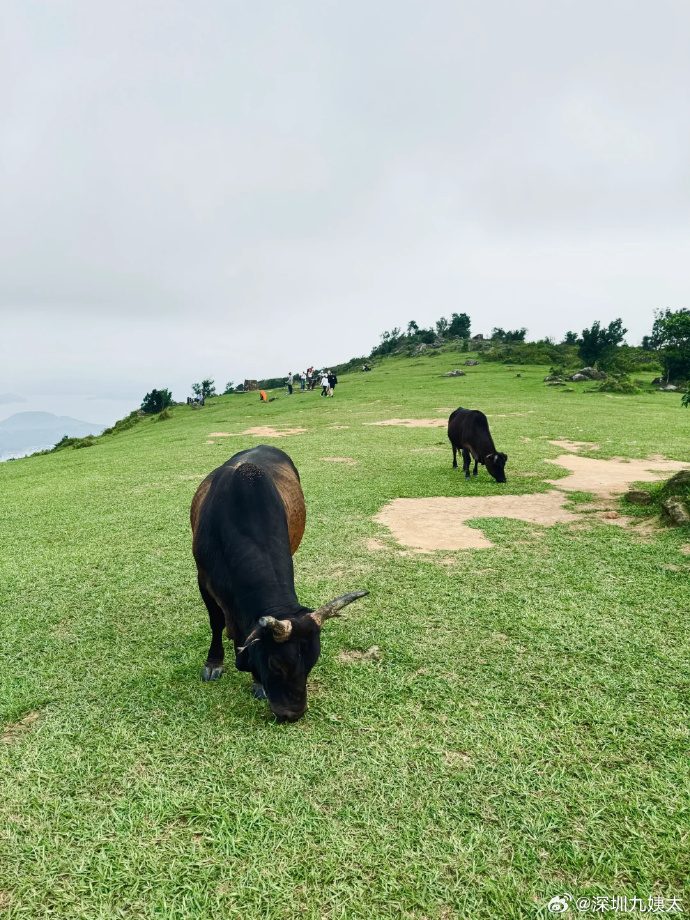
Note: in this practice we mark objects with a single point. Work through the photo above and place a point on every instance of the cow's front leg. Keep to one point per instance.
(476, 463)
(466, 462)
(213, 669)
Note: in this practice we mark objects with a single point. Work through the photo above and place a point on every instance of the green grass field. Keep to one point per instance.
(524, 733)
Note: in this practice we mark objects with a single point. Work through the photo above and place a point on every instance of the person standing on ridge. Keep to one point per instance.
(302, 380)
(289, 382)
(324, 385)
(332, 380)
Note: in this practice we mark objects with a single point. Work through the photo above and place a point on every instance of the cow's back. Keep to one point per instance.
(280, 469)
(468, 427)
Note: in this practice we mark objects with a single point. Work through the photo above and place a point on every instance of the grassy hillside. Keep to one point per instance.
(523, 733)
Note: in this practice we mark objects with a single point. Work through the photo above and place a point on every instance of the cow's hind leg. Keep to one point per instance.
(455, 456)
(213, 669)
(476, 462)
(466, 462)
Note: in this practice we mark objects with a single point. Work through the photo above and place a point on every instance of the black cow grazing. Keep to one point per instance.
(248, 518)
(468, 430)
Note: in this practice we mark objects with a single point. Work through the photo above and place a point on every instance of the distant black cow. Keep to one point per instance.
(248, 518)
(468, 430)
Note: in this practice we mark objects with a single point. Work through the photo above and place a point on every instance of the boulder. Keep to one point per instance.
(470, 362)
(550, 379)
(675, 512)
(419, 349)
(569, 390)
(579, 378)
(455, 373)
(556, 383)
(591, 373)
(680, 480)
(669, 388)
(638, 497)
(518, 375)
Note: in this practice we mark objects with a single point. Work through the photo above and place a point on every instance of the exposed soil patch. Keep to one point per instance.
(347, 460)
(354, 656)
(574, 446)
(374, 545)
(412, 422)
(445, 409)
(13, 732)
(260, 431)
(431, 524)
(607, 478)
(338, 427)
(685, 549)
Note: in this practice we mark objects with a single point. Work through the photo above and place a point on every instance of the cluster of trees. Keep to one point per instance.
(155, 401)
(458, 326)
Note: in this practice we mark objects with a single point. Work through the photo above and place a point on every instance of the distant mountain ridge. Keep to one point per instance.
(26, 432)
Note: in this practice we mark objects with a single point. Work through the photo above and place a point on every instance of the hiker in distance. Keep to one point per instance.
(289, 383)
(324, 385)
(302, 380)
(332, 380)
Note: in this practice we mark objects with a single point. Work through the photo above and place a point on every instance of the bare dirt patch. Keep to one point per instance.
(606, 478)
(412, 422)
(353, 656)
(374, 545)
(574, 446)
(16, 730)
(347, 460)
(338, 427)
(685, 549)
(431, 524)
(260, 431)
(445, 409)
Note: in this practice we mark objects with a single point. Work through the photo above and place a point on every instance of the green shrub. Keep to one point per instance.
(620, 384)
(124, 424)
(165, 414)
(156, 401)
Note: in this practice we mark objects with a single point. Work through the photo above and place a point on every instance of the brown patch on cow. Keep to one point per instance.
(574, 446)
(606, 478)
(347, 460)
(16, 730)
(430, 524)
(290, 489)
(412, 422)
(354, 656)
(338, 427)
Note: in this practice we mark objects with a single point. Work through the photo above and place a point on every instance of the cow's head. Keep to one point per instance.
(283, 652)
(496, 465)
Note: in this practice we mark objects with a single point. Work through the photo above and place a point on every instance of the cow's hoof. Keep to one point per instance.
(212, 672)
(258, 692)
(467, 477)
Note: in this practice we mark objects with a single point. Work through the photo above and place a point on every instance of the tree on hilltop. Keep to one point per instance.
(156, 401)
(205, 389)
(671, 339)
(460, 325)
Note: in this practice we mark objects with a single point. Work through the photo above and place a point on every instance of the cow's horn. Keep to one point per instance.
(333, 609)
(281, 629)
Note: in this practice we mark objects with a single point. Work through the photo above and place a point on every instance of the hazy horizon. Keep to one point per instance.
(220, 190)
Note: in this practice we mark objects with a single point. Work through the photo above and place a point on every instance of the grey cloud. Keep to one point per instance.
(238, 186)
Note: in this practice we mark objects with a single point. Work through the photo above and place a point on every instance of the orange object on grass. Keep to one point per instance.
(264, 398)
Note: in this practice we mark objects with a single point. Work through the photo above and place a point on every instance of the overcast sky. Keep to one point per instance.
(241, 189)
